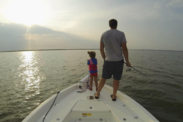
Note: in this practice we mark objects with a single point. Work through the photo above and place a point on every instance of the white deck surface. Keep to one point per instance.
(72, 106)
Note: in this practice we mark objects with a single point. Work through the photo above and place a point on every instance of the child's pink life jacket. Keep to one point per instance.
(92, 66)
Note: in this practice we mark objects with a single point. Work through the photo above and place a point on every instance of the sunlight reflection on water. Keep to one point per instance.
(29, 78)
(30, 73)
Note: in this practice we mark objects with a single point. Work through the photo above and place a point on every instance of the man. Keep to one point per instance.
(114, 42)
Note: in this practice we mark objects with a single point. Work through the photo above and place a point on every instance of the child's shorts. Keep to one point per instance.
(93, 74)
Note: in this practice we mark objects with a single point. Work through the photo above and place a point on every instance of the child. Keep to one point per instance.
(92, 63)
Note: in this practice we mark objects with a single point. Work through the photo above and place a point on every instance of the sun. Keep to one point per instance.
(26, 12)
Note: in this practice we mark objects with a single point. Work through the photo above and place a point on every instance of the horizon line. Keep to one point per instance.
(86, 49)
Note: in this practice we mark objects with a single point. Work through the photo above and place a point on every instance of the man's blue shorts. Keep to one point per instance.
(114, 68)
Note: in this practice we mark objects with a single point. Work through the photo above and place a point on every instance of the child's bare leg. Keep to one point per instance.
(91, 81)
(96, 83)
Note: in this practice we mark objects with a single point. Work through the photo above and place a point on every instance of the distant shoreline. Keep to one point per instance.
(45, 50)
(86, 49)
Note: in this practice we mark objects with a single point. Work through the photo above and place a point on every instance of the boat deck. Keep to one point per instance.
(69, 104)
(74, 106)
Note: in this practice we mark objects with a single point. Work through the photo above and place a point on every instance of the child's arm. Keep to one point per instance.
(95, 61)
(88, 62)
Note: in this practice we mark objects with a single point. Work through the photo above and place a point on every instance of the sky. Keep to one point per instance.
(79, 24)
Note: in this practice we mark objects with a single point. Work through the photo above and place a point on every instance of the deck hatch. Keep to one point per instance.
(90, 106)
(89, 120)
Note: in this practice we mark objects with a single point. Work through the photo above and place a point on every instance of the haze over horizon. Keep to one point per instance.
(61, 24)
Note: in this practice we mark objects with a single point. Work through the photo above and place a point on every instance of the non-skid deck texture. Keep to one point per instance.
(119, 108)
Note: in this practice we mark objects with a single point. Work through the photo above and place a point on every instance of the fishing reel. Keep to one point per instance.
(129, 69)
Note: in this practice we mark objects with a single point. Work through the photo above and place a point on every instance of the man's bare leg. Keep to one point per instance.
(100, 86)
(115, 88)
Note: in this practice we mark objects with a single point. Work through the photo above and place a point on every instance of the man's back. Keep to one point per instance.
(112, 40)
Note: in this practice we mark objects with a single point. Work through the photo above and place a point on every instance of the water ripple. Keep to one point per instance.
(29, 78)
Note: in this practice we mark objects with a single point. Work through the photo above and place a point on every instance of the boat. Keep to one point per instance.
(78, 104)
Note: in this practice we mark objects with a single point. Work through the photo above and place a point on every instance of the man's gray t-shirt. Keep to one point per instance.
(113, 40)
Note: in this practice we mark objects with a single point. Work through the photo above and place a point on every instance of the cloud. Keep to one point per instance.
(175, 3)
(35, 29)
(145, 23)
(20, 37)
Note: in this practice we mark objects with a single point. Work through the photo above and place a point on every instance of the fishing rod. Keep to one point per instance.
(129, 69)
(151, 96)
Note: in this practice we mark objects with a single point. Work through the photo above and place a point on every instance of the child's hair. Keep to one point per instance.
(91, 54)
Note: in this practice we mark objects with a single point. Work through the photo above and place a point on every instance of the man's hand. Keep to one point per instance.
(125, 53)
(128, 64)
(102, 50)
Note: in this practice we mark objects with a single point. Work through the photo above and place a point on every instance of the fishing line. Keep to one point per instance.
(51, 106)
(136, 70)
(57, 96)
(129, 69)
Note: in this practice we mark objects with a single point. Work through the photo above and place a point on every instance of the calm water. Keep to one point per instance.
(29, 78)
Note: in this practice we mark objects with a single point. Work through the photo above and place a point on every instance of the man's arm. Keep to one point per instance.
(125, 53)
(102, 50)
